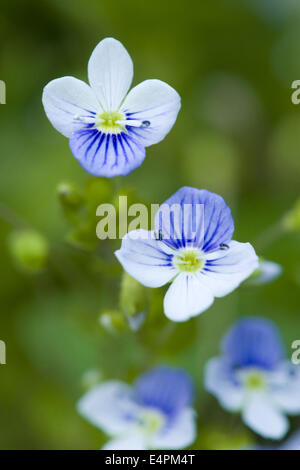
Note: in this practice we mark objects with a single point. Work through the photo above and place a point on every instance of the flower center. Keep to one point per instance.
(188, 260)
(254, 380)
(110, 122)
(151, 421)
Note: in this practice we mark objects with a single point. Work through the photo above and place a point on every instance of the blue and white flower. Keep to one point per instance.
(154, 413)
(267, 272)
(108, 127)
(192, 247)
(253, 377)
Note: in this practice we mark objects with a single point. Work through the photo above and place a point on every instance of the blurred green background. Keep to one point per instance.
(237, 134)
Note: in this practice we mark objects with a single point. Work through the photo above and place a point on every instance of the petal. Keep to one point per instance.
(219, 380)
(292, 443)
(66, 97)
(253, 342)
(146, 259)
(265, 419)
(180, 434)
(224, 270)
(110, 71)
(134, 442)
(267, 271)
(286, 389)
(108, 406)
(167, 389)
(155, 103)
(186, 297)
(106, 154)
(199, 218)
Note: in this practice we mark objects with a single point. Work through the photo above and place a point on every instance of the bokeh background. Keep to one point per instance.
(237, 134)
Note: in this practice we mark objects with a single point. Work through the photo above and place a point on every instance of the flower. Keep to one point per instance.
(154, 413)
(266, 272)
(253, 377)
(108, 128)
(192, 247)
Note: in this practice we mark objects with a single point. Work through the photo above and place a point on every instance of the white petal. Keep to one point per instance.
(186, 297)
(134, 442)
(219, 381)
(226, 269)
(156, 102)
(285, 392)
(146, 259)
(66, 97)
(264, 418)
(108, 406)
(181, 433)
(110, 72)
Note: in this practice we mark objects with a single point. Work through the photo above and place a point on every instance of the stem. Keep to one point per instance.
(269, 236)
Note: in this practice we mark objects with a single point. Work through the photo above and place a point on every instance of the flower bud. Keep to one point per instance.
(29, 249)
(291, 220)
(113, 321)
(69, 196)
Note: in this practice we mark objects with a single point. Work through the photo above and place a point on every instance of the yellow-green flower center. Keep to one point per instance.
(151, 421)
(110, 122)
(189, 260)
(254, 380)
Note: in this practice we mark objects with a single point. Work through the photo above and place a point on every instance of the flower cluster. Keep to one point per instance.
(191, 248)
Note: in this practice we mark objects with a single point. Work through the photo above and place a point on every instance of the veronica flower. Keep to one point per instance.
(109, 128)
(154, 413)
(266, 272)
(192, 247)
(252, 376)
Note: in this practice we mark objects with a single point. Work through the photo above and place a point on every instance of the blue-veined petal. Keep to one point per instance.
(110, 72)
(224, 270)
(264, 417)
(146, 259)
(186, 297)
(104, 154)
(65, 98)
(155, 104)
(204, 220)
(220, 380)
(168, 389)
(109, 406)
(180, 434)
(253, 342)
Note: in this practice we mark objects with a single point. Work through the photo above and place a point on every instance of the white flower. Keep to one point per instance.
(191, 247)
(108, 127)
(253, 377)
(153, 414)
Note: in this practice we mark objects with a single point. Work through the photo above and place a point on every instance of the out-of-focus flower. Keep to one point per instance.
(29, 249)
(108, 128)
(155, 413)
(192, 247)
(266, 272)
(253, 377)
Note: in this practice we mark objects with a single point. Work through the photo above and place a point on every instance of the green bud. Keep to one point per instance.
(91, 378)
(291, 220)
(69, 196)
(29, 249)
(113, 321)
(133, 296)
